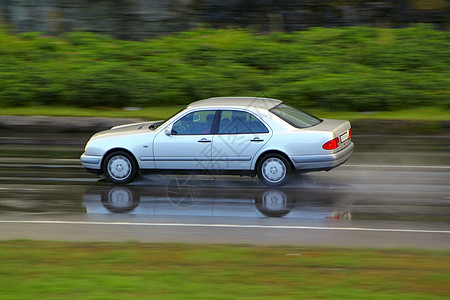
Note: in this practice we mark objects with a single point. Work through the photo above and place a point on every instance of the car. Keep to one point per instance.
(224, 135)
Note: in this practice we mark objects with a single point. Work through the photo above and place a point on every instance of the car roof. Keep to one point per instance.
(236, 102)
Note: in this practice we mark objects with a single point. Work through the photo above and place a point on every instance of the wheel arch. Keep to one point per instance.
(272, 152)
(118, 150)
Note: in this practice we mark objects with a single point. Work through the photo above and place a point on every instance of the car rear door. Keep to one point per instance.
(240, 135)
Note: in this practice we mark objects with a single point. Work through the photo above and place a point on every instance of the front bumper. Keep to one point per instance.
(91, 163)
(324, 162)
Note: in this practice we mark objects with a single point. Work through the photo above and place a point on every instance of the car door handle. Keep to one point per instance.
(204, 140)
(256, 140)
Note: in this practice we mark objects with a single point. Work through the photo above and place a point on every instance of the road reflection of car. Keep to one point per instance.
(208, 202)
(232, 135)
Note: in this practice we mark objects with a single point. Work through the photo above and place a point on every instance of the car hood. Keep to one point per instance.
(126, 129)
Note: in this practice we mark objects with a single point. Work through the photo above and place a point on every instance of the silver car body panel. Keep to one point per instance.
(155, 149)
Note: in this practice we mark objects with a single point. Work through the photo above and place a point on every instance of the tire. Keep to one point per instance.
(120, 167)
(274, 170)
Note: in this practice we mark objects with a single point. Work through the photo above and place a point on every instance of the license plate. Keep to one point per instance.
(344, 137)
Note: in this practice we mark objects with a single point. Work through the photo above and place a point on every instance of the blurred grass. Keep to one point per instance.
(57, 270)
(342, 69)
(163, 112)
(149, 113)
(414, 114)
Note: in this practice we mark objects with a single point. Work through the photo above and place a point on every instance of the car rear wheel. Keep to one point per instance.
(120, 167)
(274, 170)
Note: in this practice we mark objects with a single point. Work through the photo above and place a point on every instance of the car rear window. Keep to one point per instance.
(294, 116)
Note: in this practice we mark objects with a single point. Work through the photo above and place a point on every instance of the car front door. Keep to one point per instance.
(186, 143)
(240, 135)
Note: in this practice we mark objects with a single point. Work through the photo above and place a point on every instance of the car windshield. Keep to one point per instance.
(155, 125)
(294, 116)
(159, 123)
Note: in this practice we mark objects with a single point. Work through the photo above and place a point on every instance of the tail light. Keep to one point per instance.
(333, 144)
(350, 134)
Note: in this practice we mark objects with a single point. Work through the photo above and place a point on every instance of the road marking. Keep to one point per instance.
(21, 179)
(396, 166)
(40, 166)
(225, 226)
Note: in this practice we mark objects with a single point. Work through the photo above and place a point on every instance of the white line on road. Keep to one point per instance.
(396, 166)
(226, 226)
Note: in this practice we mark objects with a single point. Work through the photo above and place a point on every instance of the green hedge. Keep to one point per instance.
(349, 68)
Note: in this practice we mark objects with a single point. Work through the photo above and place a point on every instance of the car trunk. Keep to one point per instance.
(340, 129)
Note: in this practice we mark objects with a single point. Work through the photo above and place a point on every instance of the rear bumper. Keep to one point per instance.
(324, 162)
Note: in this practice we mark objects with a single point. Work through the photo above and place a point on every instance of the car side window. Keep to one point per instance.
(256, 126)
(240, 122)
(194, 123)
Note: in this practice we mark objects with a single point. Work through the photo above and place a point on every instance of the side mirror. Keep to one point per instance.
(168, 130)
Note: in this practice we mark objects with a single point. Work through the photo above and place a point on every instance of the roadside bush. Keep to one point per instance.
(349, 68)
(101, 84)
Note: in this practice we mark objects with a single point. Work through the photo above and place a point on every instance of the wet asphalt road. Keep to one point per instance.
(393, 193)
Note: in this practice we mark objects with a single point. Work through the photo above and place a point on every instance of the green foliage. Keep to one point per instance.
(351, 68)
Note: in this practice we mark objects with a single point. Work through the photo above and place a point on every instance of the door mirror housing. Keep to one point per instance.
(168, 130)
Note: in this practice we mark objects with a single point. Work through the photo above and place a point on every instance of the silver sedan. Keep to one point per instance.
(227, 135)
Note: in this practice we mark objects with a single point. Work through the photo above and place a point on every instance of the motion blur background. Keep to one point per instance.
(144, 59)
(335, 55)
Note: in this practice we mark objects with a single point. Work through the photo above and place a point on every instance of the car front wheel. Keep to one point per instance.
(274, 170)
(120, 167)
